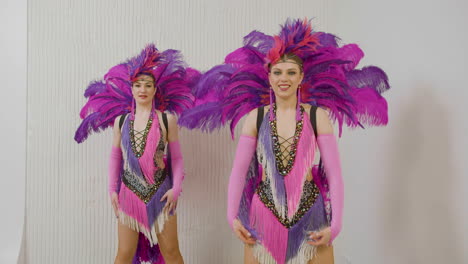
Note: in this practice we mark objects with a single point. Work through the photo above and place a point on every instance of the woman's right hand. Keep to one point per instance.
(115, 203)
(242, 233)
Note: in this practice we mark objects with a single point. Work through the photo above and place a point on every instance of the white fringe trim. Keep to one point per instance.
(262, 255)
(280, 207)
(157, 226)
(305, 253)
(303, 171)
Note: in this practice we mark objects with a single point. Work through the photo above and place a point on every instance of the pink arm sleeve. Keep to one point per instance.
(177, 168)
(331, 161)
(244, 153)
(115, 166)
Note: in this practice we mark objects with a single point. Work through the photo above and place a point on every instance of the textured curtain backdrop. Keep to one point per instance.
(70, 43)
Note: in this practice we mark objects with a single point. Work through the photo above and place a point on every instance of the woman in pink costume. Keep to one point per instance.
(291, 86)
(146, 165)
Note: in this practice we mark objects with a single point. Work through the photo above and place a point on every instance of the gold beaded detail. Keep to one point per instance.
(140, 187)
(138, 148)
(285, 169)
(308, 198)
(144, 191)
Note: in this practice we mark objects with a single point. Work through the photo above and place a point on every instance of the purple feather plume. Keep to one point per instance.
(112, 96)
(229, 91)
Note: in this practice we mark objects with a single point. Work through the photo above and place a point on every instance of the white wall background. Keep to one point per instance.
(406, 184)
(13, 34)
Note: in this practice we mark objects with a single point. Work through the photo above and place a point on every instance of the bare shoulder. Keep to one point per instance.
(250, 124)
(173, 129)
(322, 113)
(324, 125)
(116, 131)
(171, 118)
(306, 107)
(117, 123)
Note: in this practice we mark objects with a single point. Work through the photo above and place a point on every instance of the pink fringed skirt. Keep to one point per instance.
(281, 239)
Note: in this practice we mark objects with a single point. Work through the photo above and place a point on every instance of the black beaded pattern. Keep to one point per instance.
(308, 198)
(143, 190)
(139, 148)
(282, 169)
(160, 148)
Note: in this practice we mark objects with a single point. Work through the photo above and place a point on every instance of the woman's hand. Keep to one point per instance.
(320, 238)
(171, 203)
(242, 233)
(115, 203)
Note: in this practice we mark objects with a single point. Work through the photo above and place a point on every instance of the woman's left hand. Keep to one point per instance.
(320, 238)
(171, 203)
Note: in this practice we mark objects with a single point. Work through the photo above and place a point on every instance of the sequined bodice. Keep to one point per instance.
(309, 195)
(285, 149)
(134, 174)
(285, 190)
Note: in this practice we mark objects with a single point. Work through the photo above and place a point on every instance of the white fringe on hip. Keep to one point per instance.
(305, 253)
(156, 228)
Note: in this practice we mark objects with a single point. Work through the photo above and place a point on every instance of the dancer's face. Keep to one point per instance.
(285, 78)
(143, 89)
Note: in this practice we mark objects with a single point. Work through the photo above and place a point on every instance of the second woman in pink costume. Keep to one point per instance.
(146, 166)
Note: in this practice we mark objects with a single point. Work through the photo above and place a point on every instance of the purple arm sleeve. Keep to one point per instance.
(331, 161)
(244, 153)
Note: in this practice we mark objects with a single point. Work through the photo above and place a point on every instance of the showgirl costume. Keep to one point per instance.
(146, 166)
(268, 187)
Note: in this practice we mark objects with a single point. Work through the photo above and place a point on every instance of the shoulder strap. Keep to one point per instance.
(166, 126)
(313, 118)
(121, 121)
(260, 114)
(312, 115)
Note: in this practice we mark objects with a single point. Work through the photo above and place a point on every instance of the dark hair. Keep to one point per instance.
(288, 56)
(149, 74)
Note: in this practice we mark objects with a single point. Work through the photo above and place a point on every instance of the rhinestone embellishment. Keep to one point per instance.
(291, 155)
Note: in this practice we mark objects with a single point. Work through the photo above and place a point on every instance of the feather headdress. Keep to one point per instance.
(112, 96)
(229, 91)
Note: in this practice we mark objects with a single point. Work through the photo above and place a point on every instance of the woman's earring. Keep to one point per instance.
(271, 104)
(298, 107)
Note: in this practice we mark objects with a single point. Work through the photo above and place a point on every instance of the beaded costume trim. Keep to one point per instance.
(140, 187)
(284, 170)
(143, 190)
(309, 196)
(138, 148)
